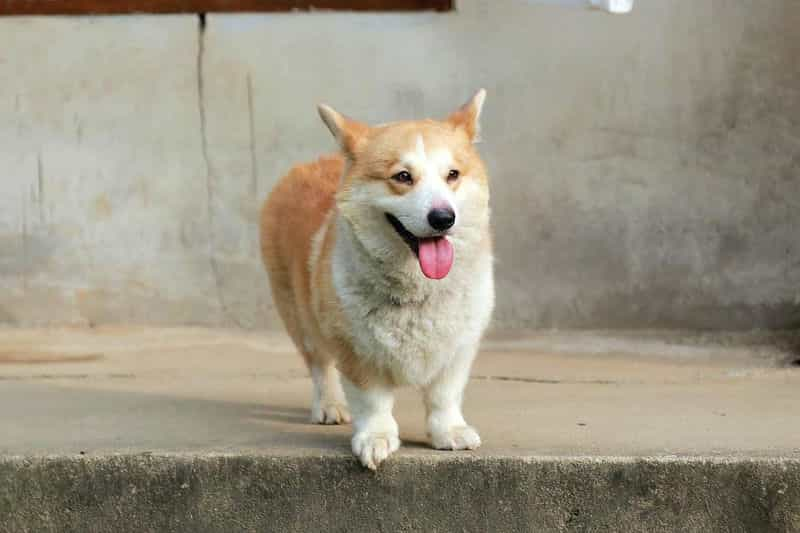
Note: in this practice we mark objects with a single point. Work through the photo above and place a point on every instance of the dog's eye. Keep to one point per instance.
(403, 177)
(453, 175)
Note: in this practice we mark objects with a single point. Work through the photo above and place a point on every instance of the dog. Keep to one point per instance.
(380, 264)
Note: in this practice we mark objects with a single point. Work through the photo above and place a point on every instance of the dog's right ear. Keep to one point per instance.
(347, 132)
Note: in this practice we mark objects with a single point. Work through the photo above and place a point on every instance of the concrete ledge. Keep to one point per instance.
(228, 493)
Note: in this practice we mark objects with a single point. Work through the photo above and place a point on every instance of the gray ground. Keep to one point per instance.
(110, 390)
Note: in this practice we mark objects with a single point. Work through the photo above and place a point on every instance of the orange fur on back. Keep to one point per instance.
(291, 216)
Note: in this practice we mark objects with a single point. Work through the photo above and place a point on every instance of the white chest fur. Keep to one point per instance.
(406, 325)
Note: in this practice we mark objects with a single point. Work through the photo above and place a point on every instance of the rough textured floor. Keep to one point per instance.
(119, 390)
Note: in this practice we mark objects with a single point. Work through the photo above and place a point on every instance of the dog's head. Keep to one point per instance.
(414, 187)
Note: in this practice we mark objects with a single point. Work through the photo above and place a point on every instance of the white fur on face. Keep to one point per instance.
(365, 203)
(412, 208)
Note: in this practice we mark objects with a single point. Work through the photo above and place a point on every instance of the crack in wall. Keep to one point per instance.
(201, 28)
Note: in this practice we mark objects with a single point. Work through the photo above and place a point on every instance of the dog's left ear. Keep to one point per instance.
(348, 133)
(468, 116)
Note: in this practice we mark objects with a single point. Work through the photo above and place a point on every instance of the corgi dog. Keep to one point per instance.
(380, 263)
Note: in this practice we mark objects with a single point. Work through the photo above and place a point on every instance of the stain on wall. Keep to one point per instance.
(645, 168)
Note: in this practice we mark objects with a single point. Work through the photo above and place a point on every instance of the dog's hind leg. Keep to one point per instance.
(328, 404)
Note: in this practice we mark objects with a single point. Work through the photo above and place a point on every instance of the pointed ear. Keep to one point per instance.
(468, 115)
(347, 132)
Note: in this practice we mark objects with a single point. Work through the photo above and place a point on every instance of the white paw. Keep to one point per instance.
(456, 438)
(332, 413)
(373, 448)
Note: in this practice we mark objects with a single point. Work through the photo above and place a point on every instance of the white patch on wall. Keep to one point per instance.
(612, 6)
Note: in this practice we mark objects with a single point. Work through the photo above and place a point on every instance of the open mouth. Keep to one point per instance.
(411, 240)
(435, 254)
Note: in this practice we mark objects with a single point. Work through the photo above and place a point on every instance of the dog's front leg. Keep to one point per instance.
(375, 432)
(446, 425)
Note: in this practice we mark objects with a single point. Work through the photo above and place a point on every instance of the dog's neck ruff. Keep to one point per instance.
(395, 277)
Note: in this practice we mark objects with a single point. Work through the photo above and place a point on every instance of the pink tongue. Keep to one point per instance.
(435, 257)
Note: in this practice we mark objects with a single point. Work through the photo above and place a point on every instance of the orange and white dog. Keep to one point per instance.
(380, 263)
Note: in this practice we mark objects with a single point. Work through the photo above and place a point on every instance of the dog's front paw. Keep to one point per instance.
(456, 438)
(332, 413)
(373, 448)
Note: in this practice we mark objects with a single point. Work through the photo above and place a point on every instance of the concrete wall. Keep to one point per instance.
(646, 168)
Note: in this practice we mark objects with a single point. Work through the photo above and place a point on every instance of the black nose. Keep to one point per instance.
(441, 218)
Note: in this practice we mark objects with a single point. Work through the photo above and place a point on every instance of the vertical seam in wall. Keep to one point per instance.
(252, 124)
(25, 255)
(201, 29)
(40, 185)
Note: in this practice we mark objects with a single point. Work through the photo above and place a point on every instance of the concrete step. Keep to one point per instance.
(413, 492)
(140, 429)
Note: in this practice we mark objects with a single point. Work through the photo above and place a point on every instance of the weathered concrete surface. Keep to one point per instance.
(132, 390)
(131, 429)
(103, 213)
(231, 493)
(646, 168)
